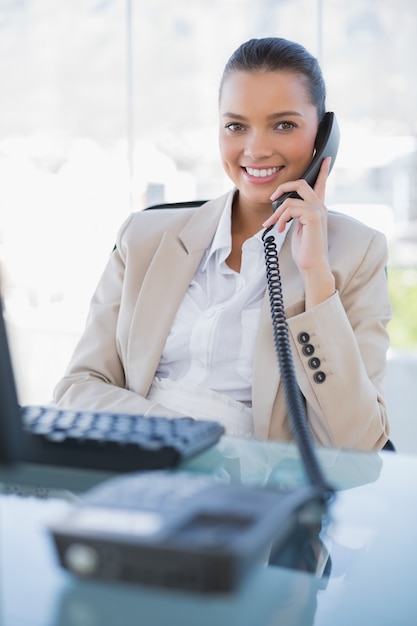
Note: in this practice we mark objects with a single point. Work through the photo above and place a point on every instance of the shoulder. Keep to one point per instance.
(349, 232)
(339, 220)
(147, 227)
(355, 249)
(156, 220)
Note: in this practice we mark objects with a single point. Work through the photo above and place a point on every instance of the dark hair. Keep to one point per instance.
(273, 54)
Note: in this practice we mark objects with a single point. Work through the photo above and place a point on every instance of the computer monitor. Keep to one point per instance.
(10, 419)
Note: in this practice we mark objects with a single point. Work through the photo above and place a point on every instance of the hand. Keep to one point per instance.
(309, 242)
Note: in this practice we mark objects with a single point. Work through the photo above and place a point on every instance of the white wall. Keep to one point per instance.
(401, 396)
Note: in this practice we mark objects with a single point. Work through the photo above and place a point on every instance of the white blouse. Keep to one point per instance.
(211, 342)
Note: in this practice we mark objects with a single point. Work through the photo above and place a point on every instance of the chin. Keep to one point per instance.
(258, 197)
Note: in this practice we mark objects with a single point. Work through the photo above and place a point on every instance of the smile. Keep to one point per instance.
(262, 173)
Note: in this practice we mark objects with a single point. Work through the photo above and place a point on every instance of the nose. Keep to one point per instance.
(258, 146)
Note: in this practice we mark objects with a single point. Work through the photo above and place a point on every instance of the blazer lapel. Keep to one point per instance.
(165, 284)
(266, 372)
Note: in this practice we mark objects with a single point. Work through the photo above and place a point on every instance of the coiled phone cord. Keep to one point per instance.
(295, 401)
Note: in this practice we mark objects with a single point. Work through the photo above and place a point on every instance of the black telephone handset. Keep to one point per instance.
(326, 144)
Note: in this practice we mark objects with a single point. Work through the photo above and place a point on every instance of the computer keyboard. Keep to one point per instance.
(113, 441)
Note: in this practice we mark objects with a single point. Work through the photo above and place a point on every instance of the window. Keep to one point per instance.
(110, 105)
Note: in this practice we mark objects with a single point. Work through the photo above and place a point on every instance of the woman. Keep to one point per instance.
(180, 322)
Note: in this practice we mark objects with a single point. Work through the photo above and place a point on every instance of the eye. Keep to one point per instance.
(235, 127)
(285, 126)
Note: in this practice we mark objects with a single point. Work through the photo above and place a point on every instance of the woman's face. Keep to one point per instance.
(267, 131)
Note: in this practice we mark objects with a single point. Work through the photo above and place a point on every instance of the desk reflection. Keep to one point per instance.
(283, 592)
(271, 596)
(298, 587)
(261, 463)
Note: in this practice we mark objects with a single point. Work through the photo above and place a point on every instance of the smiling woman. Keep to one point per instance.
(261, 144)
(89, 132)
(273, 142)
(197, 355)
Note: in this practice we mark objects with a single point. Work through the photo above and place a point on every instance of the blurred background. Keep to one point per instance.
(108, 106)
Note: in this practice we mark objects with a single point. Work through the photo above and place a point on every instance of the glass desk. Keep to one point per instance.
(366, 572)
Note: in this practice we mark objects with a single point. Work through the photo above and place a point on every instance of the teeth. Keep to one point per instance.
(262, 173)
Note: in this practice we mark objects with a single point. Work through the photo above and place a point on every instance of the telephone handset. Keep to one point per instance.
(326, 144)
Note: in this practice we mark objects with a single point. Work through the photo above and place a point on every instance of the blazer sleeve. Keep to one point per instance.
(340, 349)
(95, 378)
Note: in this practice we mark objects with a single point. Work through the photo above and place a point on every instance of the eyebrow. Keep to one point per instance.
(273, 116)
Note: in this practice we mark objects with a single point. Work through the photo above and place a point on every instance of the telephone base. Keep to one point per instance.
(179, 530)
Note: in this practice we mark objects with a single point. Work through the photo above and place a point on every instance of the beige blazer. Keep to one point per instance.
(147, 275)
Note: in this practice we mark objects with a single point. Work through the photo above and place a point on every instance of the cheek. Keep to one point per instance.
(306, 159)
(227, 149)
(303, 155)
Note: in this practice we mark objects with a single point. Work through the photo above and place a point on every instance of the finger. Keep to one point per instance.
(299, 187)
(282, 215)
(271, 220)
(320, 184)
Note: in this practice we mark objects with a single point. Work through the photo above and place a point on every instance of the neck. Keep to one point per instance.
(247, 218)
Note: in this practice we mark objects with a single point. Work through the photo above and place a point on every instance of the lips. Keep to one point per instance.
(262, 172)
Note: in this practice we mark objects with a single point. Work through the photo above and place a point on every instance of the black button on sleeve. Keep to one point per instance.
(303, 338)
(308, 349)
(314, 363)
(319, 377)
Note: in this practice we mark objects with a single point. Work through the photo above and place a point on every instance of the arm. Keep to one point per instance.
(349, 336)
(95, 377)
